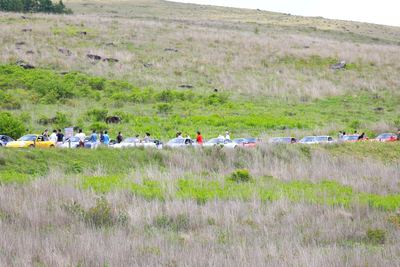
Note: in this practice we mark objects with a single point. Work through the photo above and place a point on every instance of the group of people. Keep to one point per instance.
(342, 135)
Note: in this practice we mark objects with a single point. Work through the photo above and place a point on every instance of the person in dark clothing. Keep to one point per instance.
(60, 138)
(101, 137)
(119, 137)
(361, 137)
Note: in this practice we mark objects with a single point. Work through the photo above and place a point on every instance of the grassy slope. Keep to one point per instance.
(270, 69)
(163, 9)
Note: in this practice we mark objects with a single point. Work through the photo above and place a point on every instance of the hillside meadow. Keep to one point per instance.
(274, 205)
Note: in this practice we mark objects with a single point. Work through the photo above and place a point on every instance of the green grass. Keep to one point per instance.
(142, 108)
(264, 188)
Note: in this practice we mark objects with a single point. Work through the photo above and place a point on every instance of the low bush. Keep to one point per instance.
(240, 176)
(376, 236)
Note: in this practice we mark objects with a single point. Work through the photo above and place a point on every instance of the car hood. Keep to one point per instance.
(18, 143)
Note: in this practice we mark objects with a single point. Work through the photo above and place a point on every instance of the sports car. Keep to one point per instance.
(31, 140)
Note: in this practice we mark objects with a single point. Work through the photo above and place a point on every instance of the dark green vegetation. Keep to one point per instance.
(32, 6)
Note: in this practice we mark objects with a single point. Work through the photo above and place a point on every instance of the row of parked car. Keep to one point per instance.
(34, 140)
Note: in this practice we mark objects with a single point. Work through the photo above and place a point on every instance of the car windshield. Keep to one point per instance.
(176, 141)
(250, 140)
(238, 141)
(383, 136)
(129, 140)
(216, 141)
(74, 139)
(28, 138)
(308, 139)
(350, 138)
(321, 138)
(285, 139)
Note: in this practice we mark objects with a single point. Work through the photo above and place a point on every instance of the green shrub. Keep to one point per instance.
(240, 176)
(376, 236)
(97, 83)
(355, 124)
(61, 120)
(98, 126)
(164, 107)
(11, 126)
(102, 214)
(25, 117)
(97, 114)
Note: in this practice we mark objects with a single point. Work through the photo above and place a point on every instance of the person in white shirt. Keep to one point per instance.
(227, 136)
(187, 136)
(53, 137)
(81, 137)
(221, 136)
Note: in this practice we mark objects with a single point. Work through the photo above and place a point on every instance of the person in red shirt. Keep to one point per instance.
(199, 138)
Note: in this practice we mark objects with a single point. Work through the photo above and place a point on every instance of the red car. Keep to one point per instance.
(386, 137)
(251, 142)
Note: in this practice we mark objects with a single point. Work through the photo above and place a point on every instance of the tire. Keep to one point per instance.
(31, 145)
(51, 146)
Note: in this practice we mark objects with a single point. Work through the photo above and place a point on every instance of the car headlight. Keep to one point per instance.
(23, 144)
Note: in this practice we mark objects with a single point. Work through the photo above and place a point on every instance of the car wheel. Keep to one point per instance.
(31, 145)
(52, 146)
(1, 144)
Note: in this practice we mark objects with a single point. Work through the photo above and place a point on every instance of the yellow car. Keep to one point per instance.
(29, 141)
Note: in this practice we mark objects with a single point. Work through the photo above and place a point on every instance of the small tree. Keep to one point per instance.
(11, 126)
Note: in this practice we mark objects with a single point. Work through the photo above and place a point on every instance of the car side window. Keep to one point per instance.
(329, 138)
(45, 139)
(3, 138)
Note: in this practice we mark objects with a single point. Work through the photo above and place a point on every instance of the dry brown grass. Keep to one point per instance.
(223, 55)
(38, 231)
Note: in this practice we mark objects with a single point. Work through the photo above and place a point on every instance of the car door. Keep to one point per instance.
(40, 141)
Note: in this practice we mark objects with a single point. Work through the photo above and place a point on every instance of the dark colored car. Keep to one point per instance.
(4, 140)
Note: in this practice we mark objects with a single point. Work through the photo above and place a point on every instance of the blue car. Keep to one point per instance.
(5, 139)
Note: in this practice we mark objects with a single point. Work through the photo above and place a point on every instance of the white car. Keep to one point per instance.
(324, 139)
(221, 142)
(133, 141)
(308, 140)
(180, 142)
(74, 140)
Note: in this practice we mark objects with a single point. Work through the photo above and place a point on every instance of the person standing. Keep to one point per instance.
(93, 139)
(340, 137)
(101, 137)
(81, 137)
(398, 134)
(119, 138)
(199, 138)
(60, 138)
(187, 136)
(137, 139)
(361, 137)
(180, 135)
(147, 138)
(220, 136)
(227, 136)
(106, 138)
(46, 133)
(53, 137)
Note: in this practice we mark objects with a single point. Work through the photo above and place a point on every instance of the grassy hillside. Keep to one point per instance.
(274, 205)
(266, 81)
